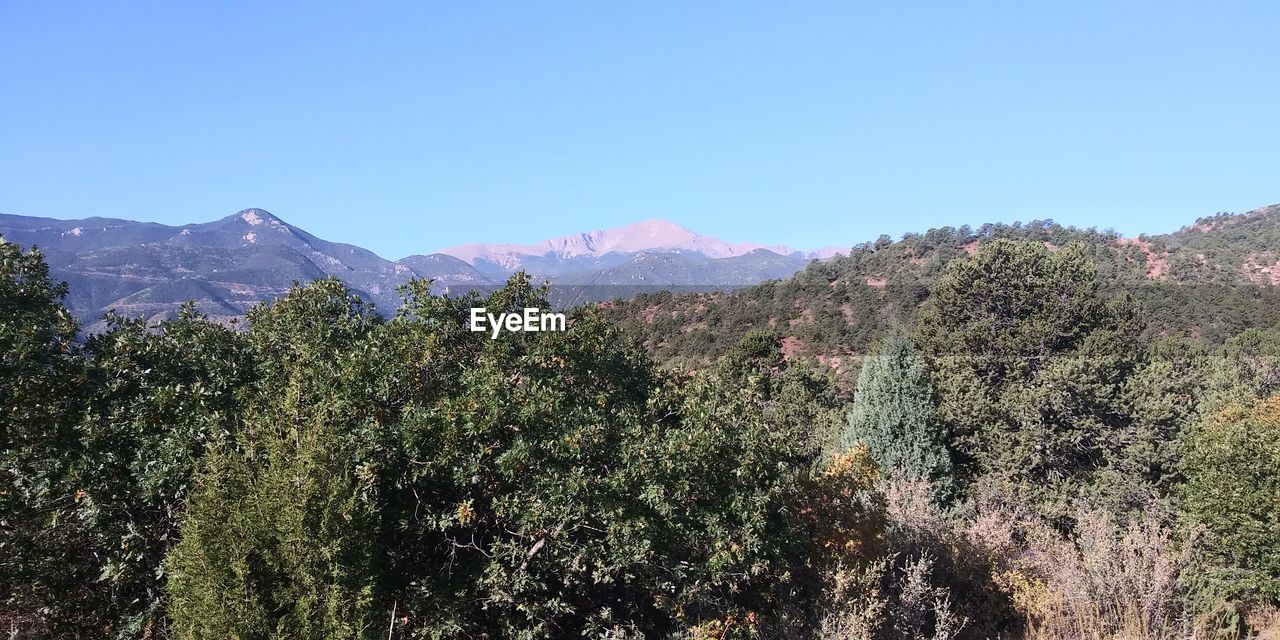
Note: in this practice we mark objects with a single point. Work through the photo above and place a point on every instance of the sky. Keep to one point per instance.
(408, 127)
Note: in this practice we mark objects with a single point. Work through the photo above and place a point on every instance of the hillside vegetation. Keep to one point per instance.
(1208, 281)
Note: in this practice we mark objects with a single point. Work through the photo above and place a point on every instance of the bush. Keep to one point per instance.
(279, 536)
(1106, 581)
(275, 547)
(534, 485)
(40, 366)
(97, 455)
(1233, 489)
(1030, 361)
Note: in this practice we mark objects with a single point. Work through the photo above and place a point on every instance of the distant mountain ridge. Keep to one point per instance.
(149, 269)
(225, 266)
(567, 253)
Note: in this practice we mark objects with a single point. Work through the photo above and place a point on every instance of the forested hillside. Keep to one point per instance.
(1029, 452)
(1209, 281)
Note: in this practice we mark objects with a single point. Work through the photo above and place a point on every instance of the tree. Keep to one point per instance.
(277, 546)
(536, 484)
(1030, 361)
(562, 485)
(893, 415)
(159, 397)
(1233, 489)
(279, 537)
(98, 451)
(40, 368)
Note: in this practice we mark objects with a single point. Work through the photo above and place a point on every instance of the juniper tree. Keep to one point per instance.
(279, 536)
(893, 415)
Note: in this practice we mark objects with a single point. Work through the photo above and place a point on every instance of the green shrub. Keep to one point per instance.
(1233, 490)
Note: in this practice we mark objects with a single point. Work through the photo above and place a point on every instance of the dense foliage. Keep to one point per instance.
(1031, 364)
(1233, 488)
(1022, 456)
(327, 467)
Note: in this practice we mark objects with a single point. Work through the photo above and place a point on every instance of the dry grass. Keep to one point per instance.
(1107, 582)
(1009, 575)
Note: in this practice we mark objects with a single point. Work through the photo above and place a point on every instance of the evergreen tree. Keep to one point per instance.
(278, 546)
(893, 415)
(278, 541)
(1031, 361)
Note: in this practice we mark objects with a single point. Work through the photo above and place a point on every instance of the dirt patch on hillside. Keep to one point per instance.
(1261, 269)
(847, 310)
(834, 362)
(1157, 263)
(791, 347)
(914, 258)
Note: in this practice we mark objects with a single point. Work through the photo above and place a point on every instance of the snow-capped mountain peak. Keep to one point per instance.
(653, 235)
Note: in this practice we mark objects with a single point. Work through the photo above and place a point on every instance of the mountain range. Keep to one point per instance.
(610, 248)
(148, 269)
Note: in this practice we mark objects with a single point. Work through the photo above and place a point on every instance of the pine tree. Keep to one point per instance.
(893, 415)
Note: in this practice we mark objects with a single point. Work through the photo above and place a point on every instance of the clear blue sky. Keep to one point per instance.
(408, 127)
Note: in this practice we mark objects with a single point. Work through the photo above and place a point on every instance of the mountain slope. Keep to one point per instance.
(831, 309)
(1201, 281)
(225, 266)
(1224, 248)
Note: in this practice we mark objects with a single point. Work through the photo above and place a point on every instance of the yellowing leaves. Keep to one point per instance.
(465, 514)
